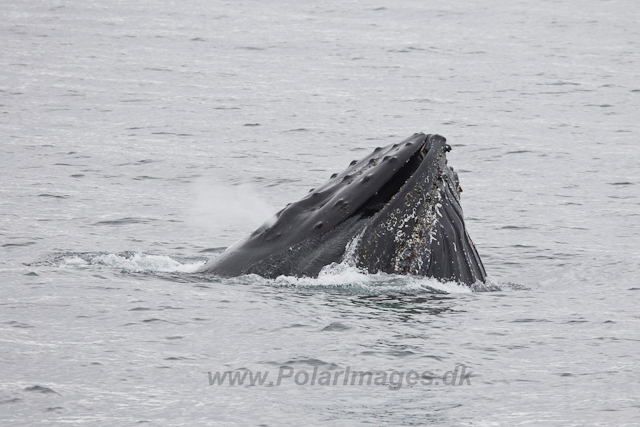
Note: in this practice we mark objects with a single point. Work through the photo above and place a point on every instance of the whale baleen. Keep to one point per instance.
(396, 211)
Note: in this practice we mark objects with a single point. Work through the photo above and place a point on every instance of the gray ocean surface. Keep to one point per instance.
(139, 139)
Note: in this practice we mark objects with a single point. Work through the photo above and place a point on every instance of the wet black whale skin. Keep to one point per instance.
(401, 202)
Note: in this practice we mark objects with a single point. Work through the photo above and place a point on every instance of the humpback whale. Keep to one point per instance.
(395, 211)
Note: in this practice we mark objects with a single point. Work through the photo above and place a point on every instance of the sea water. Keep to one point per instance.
(139, 139)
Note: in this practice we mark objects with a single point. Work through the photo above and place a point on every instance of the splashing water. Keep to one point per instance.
(130, 262)
(223, 209)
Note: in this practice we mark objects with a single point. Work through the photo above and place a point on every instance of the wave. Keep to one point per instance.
(128, 261)
(342, 277)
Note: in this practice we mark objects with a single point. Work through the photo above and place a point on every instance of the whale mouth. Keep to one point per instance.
(396, 182)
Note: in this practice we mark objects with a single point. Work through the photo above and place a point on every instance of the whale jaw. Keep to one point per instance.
(421, 230)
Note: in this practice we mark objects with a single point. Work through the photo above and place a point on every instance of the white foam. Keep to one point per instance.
(344, 276)
(136, 263)
(75, 261)
(352, 279)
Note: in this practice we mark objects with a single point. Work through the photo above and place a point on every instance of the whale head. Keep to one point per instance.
(398, 210)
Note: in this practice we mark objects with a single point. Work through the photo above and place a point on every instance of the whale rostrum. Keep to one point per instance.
(397, 210)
